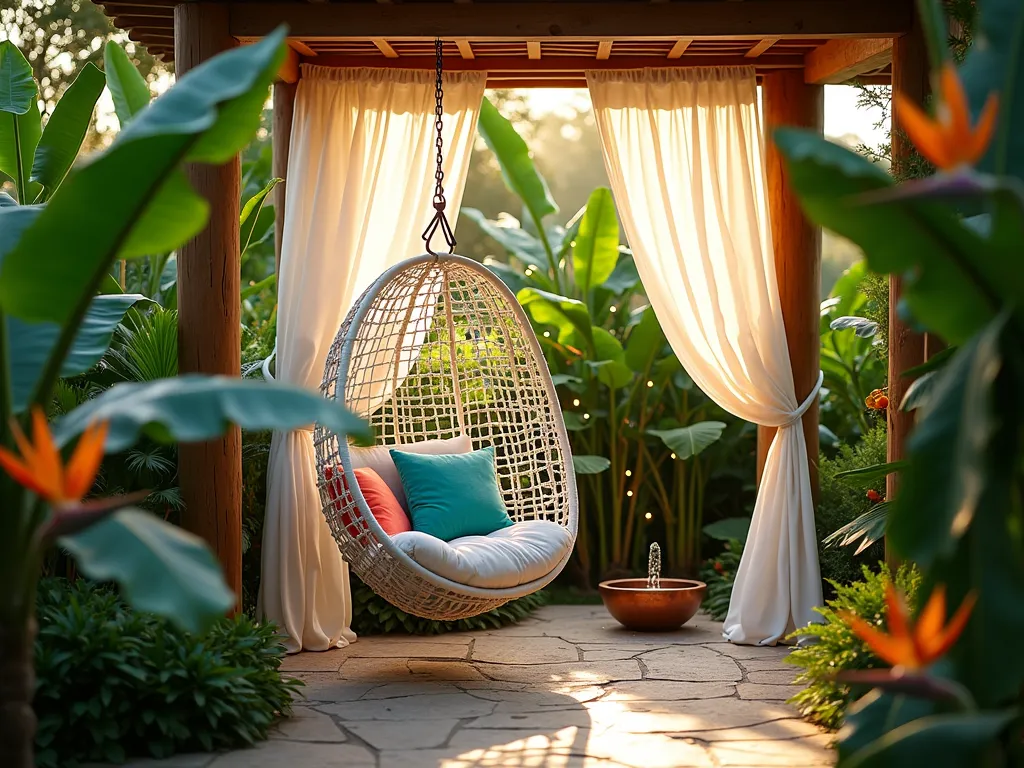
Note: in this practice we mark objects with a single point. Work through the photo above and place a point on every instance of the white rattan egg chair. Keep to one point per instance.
(439, 347)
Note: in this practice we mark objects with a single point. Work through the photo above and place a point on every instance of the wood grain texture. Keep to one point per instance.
(839, 61)
(788, 100)
(906, 346)
(284, 111)
(210, 473)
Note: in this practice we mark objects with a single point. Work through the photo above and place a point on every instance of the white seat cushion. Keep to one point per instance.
(506, 558)
(378, 458)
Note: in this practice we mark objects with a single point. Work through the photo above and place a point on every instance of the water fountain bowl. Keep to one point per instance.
(637, 606)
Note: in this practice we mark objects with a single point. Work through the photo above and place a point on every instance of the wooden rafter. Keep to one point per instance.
(465, 49)
(533, 49)
(559, 66)
(838, 61)
(604, 49)
(761, 46)
(679, 48)
(385, 47)
(781, 19)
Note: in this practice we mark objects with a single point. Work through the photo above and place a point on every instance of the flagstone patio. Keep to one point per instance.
(567, 688)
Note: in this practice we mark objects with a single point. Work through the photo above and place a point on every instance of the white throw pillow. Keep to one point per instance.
(506, 558)
(378, 458)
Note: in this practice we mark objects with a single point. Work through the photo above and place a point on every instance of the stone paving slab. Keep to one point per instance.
(567, 688)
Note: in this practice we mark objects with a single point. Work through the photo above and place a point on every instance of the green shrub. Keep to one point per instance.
(841, 502)
(373, 615)
(833, 646)
(112, 682)
(719, 573)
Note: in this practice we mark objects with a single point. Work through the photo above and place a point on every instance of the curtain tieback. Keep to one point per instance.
(798, 414)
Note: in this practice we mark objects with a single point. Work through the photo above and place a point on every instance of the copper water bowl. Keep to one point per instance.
(635, 606)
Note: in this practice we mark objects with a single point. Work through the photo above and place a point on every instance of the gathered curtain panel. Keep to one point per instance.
(683, 150)
(359, 190)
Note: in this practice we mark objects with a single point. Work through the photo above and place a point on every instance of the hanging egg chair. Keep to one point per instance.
(438, 349)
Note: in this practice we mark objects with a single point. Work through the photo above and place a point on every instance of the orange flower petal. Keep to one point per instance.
(984, 130)
(933, 615)
(897, 651)
(925, 133)
(21, 473)
(896, 617)
(47, 465)
(81, 470)
(954, 101)
(938, 646)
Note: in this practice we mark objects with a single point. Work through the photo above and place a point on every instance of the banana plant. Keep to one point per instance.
(55, 256)
(637, 424)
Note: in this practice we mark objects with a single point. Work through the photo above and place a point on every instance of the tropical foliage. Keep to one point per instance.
(955, 238)
(54, 323)
(114, 682)
(644, 438)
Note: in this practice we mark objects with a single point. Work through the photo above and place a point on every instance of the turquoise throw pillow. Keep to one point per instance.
(452, 495)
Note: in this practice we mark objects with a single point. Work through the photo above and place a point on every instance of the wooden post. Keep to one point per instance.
(209, 335)
(284, 109)
(906, 346)
(788, 100)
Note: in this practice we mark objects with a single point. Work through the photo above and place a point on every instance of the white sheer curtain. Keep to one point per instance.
(360, 184)
(683, 152)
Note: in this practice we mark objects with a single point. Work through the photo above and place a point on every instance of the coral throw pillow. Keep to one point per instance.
(380, 499)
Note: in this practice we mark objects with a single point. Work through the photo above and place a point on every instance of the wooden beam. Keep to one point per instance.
(465, 49)
(300, 47)
(533, 49)
(910, 76)
(384, 47)
(209, 316)
(604, 50)
(787, 100)
(289, 71)
(562, 64)
(839, 61)
(680, 47)
(760, 47)
(280, 136)
(794, 19)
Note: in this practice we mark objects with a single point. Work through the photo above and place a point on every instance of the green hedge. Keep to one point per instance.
(112, 683)
(373, 615)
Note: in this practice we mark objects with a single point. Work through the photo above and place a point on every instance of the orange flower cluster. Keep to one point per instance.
(41, 469)
(874, 496)
(948, 140)
(914, 646)
(877, 400)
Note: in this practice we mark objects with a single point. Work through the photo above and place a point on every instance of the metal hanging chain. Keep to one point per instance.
(439, 221)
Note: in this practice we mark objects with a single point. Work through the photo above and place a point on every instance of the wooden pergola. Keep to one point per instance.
(796, 46)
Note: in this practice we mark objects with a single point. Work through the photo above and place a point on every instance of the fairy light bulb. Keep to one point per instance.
(629, 493)
(586, 415)
(629, 473)
(648, 516)
(650, 383)
(547, 334)
(613, 309)
(576, 402)
(673, 455)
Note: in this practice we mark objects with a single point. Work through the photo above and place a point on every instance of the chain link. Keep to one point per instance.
(439, 221)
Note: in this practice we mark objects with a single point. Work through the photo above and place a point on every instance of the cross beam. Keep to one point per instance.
(781, 19)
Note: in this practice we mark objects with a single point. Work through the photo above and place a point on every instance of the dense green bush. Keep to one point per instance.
(112, 682)
(719, 573)
(834, 647)
(373, 615)
(841, 502)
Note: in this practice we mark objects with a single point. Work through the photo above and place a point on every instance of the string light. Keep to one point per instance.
(572, 244)
(629, 473)
(673, 455)
(576, 402)
(586, 415)
(613, 309)
(529, 272)
(648, 516)
(547, 334)
(629, 493)
(650, 383)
